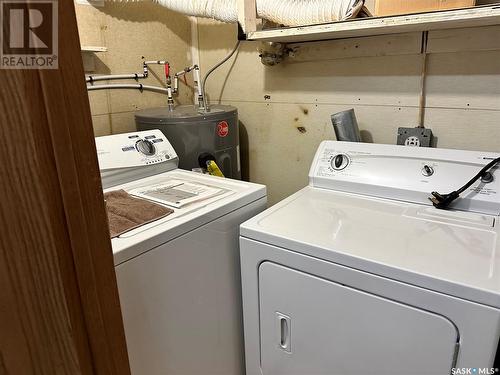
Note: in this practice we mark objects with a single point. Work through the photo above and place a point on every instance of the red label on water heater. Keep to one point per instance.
(222, 129)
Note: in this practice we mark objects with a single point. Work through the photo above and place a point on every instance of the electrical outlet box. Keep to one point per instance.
(416, 137)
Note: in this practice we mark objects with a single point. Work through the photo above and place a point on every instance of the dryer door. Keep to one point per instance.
(317, 327)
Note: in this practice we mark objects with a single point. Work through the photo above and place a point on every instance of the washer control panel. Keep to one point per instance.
(145, 147)
(137, 149)
(407, 173)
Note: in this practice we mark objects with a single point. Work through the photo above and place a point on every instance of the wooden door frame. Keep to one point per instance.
(59, 305)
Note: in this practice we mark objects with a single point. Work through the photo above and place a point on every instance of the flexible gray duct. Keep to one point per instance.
(283, 12)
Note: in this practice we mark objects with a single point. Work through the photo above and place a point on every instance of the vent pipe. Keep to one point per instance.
(282, 12)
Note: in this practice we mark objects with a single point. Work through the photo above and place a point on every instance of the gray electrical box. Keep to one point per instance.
(416, 137)
(194, 133)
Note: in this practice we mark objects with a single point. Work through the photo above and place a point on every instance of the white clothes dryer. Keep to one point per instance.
(358, 273)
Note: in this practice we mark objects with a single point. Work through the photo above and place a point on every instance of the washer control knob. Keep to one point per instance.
(427, 170)
(487, 177)
(145, 147)
(339, 162)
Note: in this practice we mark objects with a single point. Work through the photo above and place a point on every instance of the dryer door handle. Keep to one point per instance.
(284, 331)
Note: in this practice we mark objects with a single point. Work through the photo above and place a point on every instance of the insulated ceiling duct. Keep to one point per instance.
(283, 12)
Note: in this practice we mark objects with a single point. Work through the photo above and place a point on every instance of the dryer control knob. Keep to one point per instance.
(427, 170)
(339, 162)
(487, 177)
(145, 147)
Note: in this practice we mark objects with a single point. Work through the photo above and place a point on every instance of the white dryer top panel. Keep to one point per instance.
(367, 207)
(451, 252)
(406, 173)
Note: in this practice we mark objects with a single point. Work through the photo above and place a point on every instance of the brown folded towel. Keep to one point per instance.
(126, 212)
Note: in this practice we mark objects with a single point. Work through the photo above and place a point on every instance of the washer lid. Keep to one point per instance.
(232, 196)
(451, 252)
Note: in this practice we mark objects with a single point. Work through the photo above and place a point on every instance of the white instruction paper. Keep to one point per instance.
(176, 193)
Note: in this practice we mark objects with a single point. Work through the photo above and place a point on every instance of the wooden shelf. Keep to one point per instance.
(471, 17)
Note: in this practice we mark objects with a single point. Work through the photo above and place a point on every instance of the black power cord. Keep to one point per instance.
(442, 201)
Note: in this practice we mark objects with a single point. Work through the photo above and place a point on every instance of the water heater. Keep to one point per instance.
(196, 134)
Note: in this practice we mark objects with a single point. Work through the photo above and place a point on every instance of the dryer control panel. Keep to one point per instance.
(407, 173)
(138, 149)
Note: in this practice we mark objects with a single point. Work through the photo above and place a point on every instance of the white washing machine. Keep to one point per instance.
(358, 273)
(179, 277)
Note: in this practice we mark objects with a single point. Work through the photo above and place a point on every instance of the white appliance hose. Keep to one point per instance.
(307, 12)
(283, 12)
